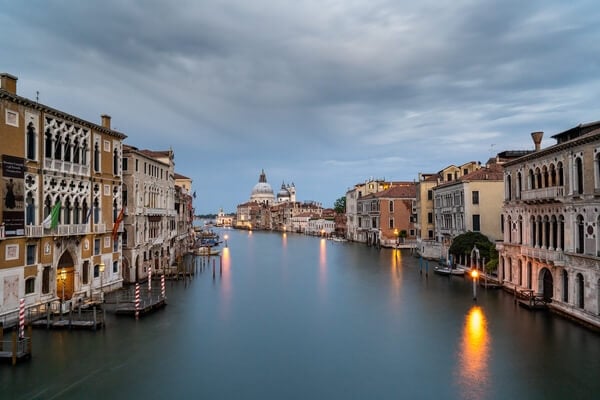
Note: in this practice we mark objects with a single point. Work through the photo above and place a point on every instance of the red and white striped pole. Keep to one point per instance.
(163, 290)
(150, 278)
(21, 318)
(137, 300)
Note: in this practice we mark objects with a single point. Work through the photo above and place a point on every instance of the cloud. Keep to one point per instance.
(323, 93)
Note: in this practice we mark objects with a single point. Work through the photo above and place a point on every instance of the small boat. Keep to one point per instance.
(206, 251)
(338, 239)
(448, 271)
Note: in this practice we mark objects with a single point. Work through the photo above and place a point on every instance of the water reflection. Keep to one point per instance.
(473, 356)
(225, 275)
(396, 271)
(322, 265)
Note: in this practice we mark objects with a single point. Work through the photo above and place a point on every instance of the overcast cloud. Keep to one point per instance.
(324, 94)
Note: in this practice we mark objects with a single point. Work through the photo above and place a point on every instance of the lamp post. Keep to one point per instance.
(101, 268)
(474, 275)
(226, 237)
(396, 234)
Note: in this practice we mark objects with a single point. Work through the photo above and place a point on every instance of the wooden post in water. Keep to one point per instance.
(14, 347)
(30, 343)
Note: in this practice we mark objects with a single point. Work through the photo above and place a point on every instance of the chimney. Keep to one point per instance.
(8, 82)
(537, 139)
(105, 121)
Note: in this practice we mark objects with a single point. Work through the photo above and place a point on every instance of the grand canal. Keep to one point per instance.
(297, 317)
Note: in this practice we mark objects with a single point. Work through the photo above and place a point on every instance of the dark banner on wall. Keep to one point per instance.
(12, 194)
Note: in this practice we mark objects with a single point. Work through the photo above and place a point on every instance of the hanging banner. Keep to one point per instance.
(12, 195)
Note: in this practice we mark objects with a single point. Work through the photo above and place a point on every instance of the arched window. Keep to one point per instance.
(68, 149)
(529, 275)
(84, 153)
(58, 148)
(76, 212)
(116, 162)
(508, 187)
(579, 235)
(538, 179)
(519, 185)
(520, 273)
(580, 292)
(531, 180)
(561, 176)
(76, 151)
(30, 209)
(520, 228)
(533, 234)
(48, 144)
(565, 288)
(68, 209)
(96, 157)
(552, 175)
(47, 206)
(579, 175)
(85, 212)
(96, 211)
(30, 141)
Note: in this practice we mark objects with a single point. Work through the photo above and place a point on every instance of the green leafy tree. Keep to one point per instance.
(463, 244)
(340, 205)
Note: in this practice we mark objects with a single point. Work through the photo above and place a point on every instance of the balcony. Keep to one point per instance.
(75, 229)
(100, 228)
(554, 194)
(65, 167)
(34, 231)
(554, 256)
(155, 211)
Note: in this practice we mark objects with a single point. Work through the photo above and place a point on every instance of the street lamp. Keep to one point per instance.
(101, 268)
(226, 237)
(396, 233)
(474, 275)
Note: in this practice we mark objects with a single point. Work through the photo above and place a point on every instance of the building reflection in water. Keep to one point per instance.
(473, 357)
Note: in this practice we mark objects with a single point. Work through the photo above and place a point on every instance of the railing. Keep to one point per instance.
(34, 230)
(155, 211)
(100, 228)
(66, 167)
(76, 229)
(542, 254)
(543, 194)
(2, 232)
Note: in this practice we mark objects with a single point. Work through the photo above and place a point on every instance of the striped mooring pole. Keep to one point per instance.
(137, 300)
(163, 290)
(21, 318)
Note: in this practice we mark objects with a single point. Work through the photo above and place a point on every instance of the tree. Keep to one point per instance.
(463, 244)
(340, 205)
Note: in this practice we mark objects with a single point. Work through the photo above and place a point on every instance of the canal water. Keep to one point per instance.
(297, 317)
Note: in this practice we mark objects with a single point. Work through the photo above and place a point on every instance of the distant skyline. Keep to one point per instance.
(325, 94)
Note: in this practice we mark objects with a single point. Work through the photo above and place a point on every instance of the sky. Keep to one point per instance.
(323, 94)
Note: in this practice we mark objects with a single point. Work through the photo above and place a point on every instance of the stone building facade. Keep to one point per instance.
(551, 242)
(54, 161)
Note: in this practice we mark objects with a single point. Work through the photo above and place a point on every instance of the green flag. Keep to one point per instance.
(51, 220)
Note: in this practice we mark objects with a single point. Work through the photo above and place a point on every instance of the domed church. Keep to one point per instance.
(262, 192)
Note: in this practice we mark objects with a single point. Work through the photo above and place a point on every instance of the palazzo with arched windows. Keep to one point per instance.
(551, 211)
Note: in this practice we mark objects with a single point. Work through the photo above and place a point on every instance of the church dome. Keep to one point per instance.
(262, 191)
(283, 193)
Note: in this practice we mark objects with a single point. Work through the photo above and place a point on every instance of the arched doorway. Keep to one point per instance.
(547, 284)
(65, 276)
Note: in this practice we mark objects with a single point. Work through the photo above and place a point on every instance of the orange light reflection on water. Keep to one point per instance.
(473, 355)
(396, 272)
(323, 264)
(225, 277)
